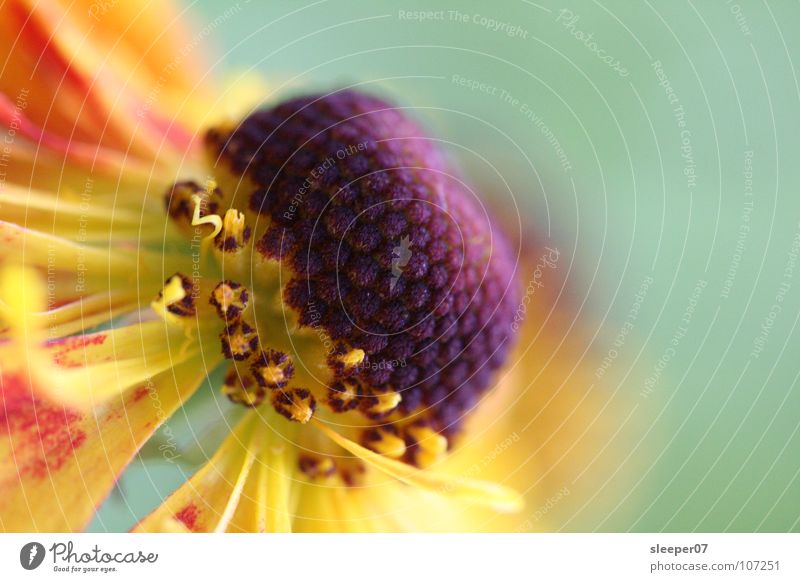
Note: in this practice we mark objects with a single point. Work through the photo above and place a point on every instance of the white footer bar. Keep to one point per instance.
(389, 557)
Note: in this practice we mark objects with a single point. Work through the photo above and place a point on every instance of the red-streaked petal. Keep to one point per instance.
(209, 500)
(57, 465)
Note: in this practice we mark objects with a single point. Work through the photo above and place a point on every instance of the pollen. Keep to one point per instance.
(239, 341)
(297, 404)
(230, 300)
(176, 298)
(272, 369)
(378, 405)
(344, 395)
(241, 388)
(385, 441)
(430, 446)
(317, 468)
(345, 362)
(234, 234)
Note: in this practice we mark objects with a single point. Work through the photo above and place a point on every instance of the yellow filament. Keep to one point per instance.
(212, 219)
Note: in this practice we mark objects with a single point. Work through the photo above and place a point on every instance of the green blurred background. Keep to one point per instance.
(648, 141)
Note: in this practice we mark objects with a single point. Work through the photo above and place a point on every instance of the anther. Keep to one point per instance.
(430, 446)
(239, 341)
(230, 300)
(380, 404)
(179, 200)
(344, 395)
(272, 369)
(234, 234)
(243, 389)
(317, 467)
(352, 472)
(385, 441)
(296, 404)
(344, 361)
(176, 298)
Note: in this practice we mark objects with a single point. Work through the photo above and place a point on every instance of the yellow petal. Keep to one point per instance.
(264, 506)
(82, 371)
(37, 249)
(82, 313)
(88, 216)
(383, 506)
(554, 426)
(208, 501)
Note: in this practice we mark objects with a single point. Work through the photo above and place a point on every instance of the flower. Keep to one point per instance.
(361, 299)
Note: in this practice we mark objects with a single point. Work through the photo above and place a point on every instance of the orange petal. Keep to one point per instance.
(57, 465)
(99, 89)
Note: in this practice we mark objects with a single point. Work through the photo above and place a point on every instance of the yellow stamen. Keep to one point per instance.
(241, 388)
(297, 404)
(343, 396)
(230, 299)
(172, 293)
(386, 443)
(485, 493)
(432, 445)
(272, 369)
(224, 296)
(234, 233)
(353, 358)
(382, 403)
(344, 362)
(212, 219)
(239, 341)
(273, 375)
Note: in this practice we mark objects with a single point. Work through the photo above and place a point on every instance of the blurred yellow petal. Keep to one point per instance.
(38, 249)
(84, 312)
(73, 269)
(549, 426)
(80, 371)
(85, 217)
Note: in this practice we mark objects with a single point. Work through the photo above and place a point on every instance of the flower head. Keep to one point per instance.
(391, 273)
